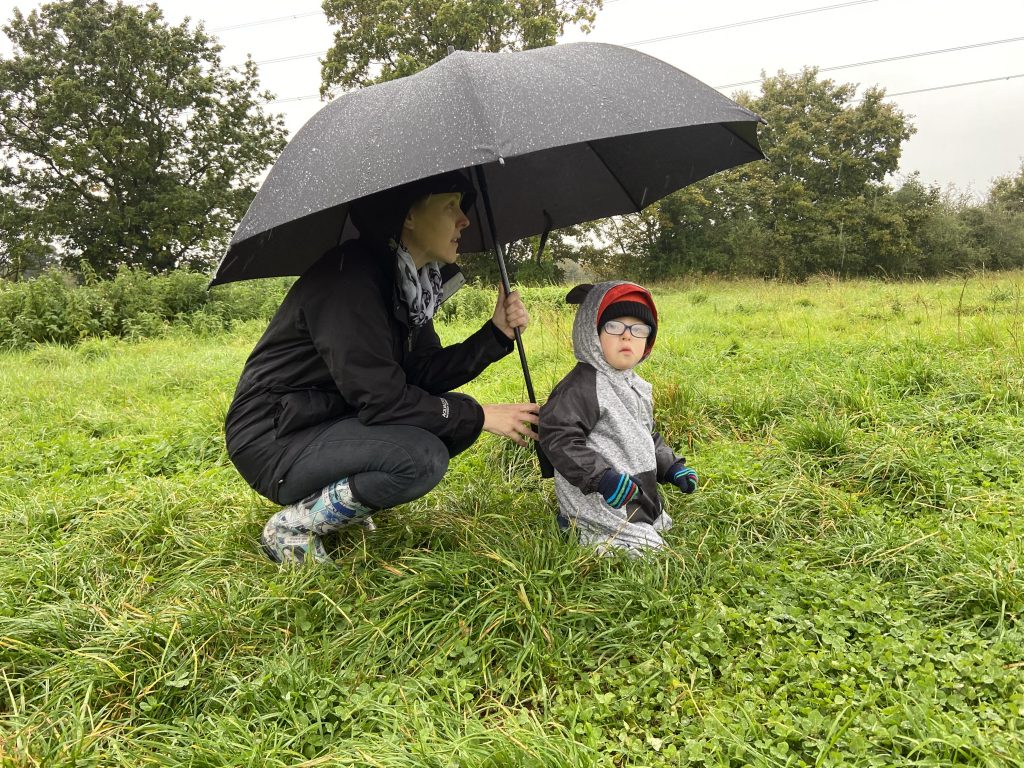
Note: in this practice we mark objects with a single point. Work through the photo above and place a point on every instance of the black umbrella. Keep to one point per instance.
(555, 136)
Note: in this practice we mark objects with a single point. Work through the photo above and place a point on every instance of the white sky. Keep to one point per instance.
(967, 135)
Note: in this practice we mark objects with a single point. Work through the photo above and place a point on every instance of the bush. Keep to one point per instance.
(54, 307)
(472, 304)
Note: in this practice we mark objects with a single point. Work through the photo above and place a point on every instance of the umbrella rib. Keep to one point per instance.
(735, 133)
(612, 173)
(480, 107)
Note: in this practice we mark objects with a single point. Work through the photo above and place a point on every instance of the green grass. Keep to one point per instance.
(845, 589)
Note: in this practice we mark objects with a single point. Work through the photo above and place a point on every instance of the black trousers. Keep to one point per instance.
(386, 465)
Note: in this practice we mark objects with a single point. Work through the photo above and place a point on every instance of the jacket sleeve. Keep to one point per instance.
(666, 458)
(566, 419)
(350, 326)
(440, 369)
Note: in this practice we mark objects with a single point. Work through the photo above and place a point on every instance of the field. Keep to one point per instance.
(846, 588)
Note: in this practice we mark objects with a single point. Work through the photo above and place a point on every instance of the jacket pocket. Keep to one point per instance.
(305, 408)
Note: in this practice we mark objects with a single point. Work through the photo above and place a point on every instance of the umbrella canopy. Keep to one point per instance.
(557, 135)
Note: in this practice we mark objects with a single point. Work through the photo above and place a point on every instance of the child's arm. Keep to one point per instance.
(565, 421)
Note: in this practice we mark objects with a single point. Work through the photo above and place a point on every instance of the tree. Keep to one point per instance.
(817, 204)
(997, 227)
(828, 155)
(21, 254)
(125, 140)
(621, 247)
(1007, 192)
(380, 40)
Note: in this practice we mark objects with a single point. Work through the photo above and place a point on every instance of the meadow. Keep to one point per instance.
(845, 589)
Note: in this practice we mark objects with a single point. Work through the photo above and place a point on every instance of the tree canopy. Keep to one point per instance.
(818, 203)
(1007, 192)
(125, 140)
(380, 40)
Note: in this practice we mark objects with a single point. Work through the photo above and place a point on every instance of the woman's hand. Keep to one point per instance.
(510, 313)
(512, 420)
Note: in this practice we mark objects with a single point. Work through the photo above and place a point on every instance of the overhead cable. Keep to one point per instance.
(275, 20)
(748, 22)
(625, 45)
(890, 58)
(887, 95)
(955, 85)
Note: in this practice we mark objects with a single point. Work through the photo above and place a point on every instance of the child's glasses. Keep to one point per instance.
(637, 330)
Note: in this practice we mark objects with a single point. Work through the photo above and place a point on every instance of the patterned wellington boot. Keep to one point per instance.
(284, 545)
(294, 534)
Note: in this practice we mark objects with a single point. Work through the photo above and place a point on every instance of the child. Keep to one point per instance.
(597, 427)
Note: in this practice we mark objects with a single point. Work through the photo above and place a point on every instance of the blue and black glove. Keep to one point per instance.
(683, 477)
(618, 488)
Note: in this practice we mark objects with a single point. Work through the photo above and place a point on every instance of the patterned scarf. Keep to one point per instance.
(421, 292)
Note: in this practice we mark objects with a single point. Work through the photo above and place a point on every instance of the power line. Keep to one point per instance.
(295, 98)
(955, 85)
(886, 60)
(296, 57)
(887, 95)
(704, 31)
(748, 22)
(275, 20)
(690, 33)
(890, 58)
(291, 17)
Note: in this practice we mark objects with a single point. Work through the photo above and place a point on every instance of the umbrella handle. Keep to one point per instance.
(546, 470)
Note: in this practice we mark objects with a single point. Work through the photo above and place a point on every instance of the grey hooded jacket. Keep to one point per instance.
(598, 418)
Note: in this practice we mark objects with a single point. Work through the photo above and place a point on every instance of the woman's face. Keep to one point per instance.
(433, 227)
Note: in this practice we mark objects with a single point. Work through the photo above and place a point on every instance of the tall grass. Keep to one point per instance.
(845, 589)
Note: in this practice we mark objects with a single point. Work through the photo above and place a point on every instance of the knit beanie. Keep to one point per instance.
(380, 216)
(629, 309)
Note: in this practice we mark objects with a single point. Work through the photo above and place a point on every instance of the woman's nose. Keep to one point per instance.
(463, 220)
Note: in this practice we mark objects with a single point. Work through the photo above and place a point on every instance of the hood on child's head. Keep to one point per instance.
(607, 301)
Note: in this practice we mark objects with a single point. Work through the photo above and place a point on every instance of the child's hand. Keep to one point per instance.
(685, 478)
(618, 488)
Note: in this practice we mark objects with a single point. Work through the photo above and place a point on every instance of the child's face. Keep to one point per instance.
(624, 351)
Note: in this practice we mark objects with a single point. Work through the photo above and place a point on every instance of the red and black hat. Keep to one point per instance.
(628, 300)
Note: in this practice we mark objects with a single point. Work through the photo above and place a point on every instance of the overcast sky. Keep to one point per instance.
(968, 132)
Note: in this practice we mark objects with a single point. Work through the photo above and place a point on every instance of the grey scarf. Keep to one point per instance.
(421, 292)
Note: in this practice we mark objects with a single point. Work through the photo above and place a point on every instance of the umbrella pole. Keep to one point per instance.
(499, 252)
(546, 469)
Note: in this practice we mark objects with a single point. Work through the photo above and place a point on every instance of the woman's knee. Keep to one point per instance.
(415, 464)
(427, 458)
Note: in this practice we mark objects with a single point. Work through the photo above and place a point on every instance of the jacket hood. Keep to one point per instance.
(593, 300)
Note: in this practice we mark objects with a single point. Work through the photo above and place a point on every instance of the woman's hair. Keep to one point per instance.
(380, 216)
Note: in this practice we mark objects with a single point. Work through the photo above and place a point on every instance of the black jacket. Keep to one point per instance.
(340, 346)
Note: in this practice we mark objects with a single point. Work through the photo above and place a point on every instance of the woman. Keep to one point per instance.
(345, 404)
